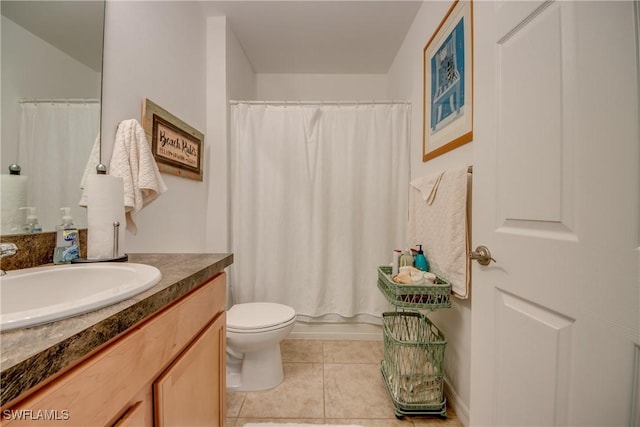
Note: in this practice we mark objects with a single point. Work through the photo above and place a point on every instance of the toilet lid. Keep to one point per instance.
(258, 315)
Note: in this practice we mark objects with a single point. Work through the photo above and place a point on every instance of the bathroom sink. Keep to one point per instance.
(43, 294)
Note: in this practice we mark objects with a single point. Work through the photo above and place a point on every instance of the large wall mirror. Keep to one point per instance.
(51, 92)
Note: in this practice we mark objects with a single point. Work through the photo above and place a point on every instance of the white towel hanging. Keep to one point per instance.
(442, 227)
(428, 186)
(132, 160)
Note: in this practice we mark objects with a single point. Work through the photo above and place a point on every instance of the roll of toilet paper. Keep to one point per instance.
(14, 196)
(105, 206)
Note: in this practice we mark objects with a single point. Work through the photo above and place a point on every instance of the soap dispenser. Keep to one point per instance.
(67, 240)
(420, 261)
(31, 225)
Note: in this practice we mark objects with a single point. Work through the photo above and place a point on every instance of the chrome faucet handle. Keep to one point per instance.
(7, 249)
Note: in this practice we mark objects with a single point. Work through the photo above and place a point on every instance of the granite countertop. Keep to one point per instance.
(31, 355)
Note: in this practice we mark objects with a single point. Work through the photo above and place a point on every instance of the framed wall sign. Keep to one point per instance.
(177, 147)
(448, 83)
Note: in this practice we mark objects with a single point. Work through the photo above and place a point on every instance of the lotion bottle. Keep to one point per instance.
(406, 259)
(67, 240)
(395, 263)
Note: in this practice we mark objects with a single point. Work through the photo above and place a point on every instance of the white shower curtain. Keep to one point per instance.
(54, 143)
(319, 202)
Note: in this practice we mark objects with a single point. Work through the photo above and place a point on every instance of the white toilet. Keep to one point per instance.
(254, 332)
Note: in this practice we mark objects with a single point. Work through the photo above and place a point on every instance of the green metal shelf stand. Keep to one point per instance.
(413, 363)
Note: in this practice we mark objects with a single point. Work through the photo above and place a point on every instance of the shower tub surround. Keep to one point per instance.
(31, 356)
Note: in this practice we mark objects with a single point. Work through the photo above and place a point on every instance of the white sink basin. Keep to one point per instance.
(43, 294)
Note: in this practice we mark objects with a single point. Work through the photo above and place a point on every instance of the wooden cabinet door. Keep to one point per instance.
(134, 417)
(191, 391)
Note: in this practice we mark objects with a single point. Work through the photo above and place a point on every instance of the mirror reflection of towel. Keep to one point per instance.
(132, 160)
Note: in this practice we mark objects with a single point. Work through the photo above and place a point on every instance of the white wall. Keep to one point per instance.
(405, 82)
(217, 155)
(23, 77)
(229, 76)
(156, 50)
(241, 79)
(316, 87)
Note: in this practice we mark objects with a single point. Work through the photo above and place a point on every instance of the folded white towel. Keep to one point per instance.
(132, 160)
(94, 160)
(428, 186)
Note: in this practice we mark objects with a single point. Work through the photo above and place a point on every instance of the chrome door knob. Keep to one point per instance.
(482, 254)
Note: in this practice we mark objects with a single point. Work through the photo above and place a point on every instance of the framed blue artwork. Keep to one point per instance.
(448, 83)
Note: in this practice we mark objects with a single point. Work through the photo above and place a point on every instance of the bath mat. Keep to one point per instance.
(298, 425)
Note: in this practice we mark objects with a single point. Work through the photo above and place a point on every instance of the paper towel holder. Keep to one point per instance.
(123, 258)
(116, 258)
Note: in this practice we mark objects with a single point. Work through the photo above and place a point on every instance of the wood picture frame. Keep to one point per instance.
(177, 147)
(448, 83)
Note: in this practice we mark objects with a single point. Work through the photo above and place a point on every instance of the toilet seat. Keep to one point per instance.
(259, 317)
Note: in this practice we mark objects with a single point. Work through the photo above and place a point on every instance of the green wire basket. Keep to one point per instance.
(428, 297)
(413, 364)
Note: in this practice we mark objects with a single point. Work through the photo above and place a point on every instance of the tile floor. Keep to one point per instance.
(337, 382)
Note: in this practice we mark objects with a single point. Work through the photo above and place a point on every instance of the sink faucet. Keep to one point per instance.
(7, 249)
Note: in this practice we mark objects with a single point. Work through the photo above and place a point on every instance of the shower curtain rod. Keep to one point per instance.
(236, 102)
(59, 101)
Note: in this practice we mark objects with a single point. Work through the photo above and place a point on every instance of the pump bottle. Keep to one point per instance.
(31, 224)
(420, 261)
(67, 240)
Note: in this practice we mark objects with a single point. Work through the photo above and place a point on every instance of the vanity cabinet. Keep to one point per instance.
(168, 370)
(183, 393)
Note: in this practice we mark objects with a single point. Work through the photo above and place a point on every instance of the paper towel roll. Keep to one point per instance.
(14, 196)
(105, 205)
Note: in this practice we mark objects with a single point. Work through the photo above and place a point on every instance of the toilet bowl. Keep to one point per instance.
(254, 332)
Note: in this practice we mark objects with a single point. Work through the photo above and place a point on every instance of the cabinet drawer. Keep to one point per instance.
(96, 391)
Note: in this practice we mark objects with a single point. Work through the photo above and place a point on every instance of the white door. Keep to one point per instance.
(555, 321)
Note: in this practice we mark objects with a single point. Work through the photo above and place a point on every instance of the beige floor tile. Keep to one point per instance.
(349, 385)
(450, 421)
(301, 351)
(353, 352)
(299, 395)
(355, 391)
(242, 421)
(234, 403)
(371, 422)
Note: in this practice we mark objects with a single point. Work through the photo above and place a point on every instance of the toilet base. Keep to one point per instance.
(258, 370)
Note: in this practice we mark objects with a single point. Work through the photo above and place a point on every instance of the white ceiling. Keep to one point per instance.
(292, 36)
(321, 36)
